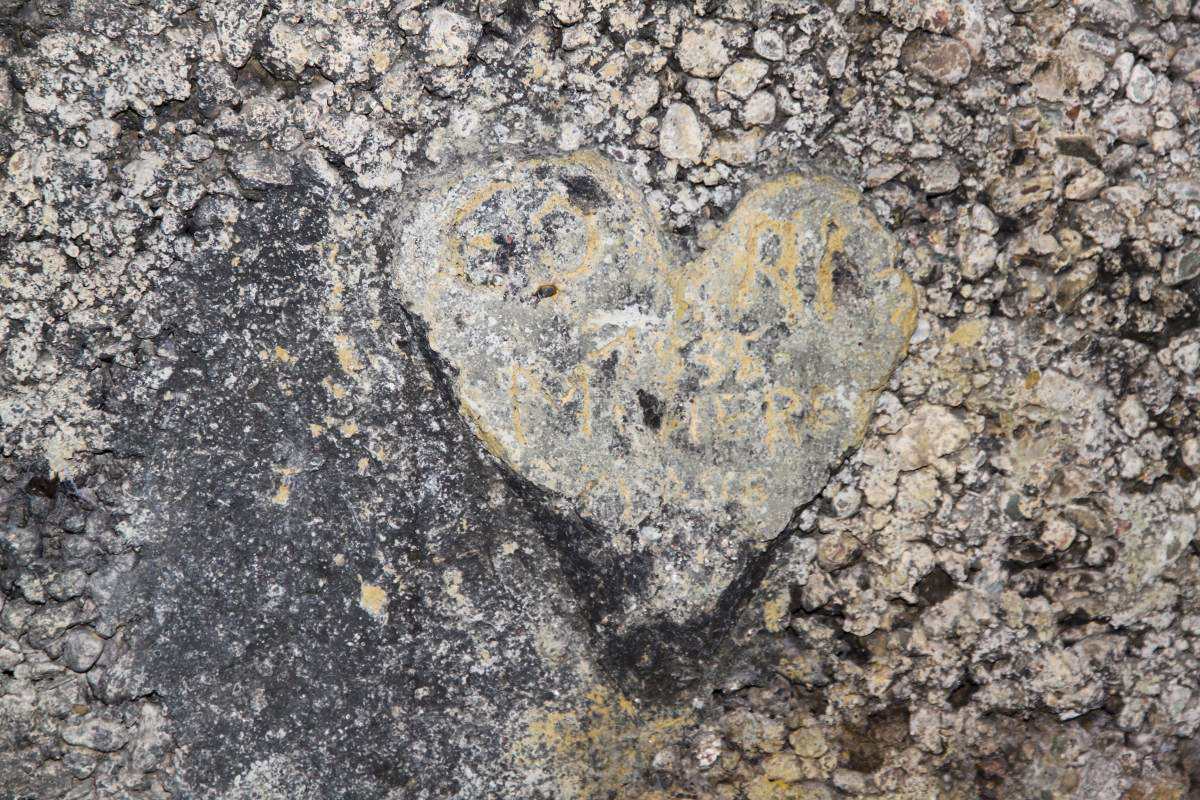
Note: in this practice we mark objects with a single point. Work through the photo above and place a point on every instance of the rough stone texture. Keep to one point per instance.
(702, 51)
(81, 648)
(683, 136)
(683, 408)
(449, 37)
(938, 58)
(228, 450)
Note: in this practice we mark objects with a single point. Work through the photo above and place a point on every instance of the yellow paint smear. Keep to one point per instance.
(478, 199)
(823, 417)
(347, 358)
(749, 264)
(591, 246)
(336, 289)
(373, 599)
(457, 245)
(968, 333)
(486, 436)
(597, 750)
(904, 314)
(777, 414)
(482, 242)
(835, 239)
(775, 612)
(280, 498)
(583, 379)
(514, 394)
(336, 389)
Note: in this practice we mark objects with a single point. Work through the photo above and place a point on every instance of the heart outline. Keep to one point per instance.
(686, 282)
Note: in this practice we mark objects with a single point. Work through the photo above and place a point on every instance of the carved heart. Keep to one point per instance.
(685, 408)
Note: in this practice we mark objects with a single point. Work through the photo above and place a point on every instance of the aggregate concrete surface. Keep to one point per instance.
(613, 399)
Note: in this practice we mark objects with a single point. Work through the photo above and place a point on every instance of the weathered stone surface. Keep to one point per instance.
(1182, 264)
(702, 50)
(81, 648)
(227, 449)
(932, 432)
(261, 169)
(449, 37)
(684, 408)
(337, 593)
(937, 58)
(741, 78)
(683, 135)
(769, 44)
(97, 733)
(236, 23)
(1128, 122)
(759, 108)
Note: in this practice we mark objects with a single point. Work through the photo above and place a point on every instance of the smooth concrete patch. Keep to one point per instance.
(684, 407)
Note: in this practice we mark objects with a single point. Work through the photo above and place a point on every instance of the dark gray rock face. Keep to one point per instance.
(339, 595)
